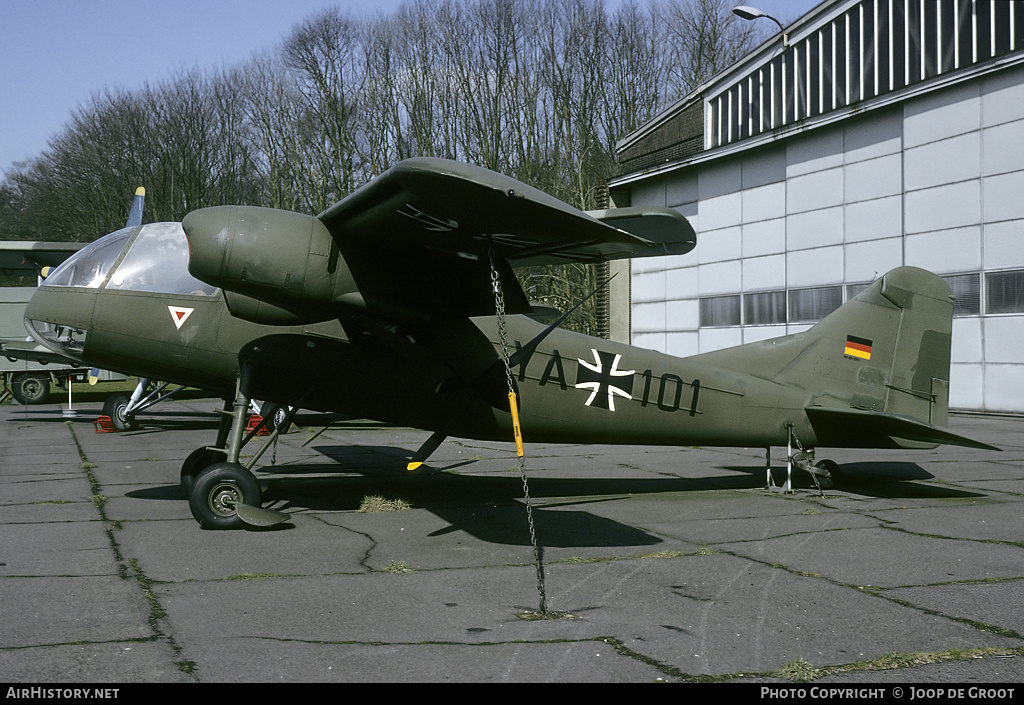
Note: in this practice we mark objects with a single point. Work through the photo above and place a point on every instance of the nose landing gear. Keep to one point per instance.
(226, 495)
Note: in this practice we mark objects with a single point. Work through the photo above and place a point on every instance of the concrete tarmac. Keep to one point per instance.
(660, 564)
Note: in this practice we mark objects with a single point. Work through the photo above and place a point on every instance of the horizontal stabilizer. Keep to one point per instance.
(876, 429)
(667, 231)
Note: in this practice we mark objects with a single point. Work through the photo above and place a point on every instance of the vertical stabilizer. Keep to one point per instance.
(876, 370)
(886, 350)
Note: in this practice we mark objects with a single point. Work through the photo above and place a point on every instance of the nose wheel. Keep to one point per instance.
(219, 491)
(226, 494)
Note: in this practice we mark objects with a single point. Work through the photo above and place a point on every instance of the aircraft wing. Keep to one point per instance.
(415, 245)
(442, 205)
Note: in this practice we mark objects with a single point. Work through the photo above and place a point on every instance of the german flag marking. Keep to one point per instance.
(857, 347)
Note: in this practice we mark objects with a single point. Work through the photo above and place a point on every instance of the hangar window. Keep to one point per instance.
(1004, 292)
(874, 47)
(853, 289)
(810, 305)
(966, 293)
(720, 311)
(764, 308)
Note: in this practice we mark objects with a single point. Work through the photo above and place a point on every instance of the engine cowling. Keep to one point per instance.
(285, 259)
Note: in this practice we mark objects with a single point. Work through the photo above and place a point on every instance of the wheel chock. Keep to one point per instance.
(254, 421)
(104, 424)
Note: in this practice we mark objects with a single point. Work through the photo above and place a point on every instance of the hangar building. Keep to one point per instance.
(873, 134)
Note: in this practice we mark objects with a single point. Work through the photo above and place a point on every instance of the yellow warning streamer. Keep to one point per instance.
(515, 423)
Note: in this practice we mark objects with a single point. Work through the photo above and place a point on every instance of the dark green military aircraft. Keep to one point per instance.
(399, 304)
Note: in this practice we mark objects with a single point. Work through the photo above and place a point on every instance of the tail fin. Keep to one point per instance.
(876, 369)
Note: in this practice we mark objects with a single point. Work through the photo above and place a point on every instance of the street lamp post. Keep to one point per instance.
(752, 13)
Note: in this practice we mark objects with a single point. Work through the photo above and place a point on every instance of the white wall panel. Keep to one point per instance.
(876, 136)
(941, 114)
(813, 191)
(1003, 196)
(866, 261)
(718, 245)
(765, 237)
(819, 267)
(681, 191)
(762, 273)
(873, 220)
(943, 207)
(681, 283)
(649, 317)
(1004, 244)
(1002, 148)
(874, 178)
(719, 179)
(813, 152)
(1003, 96)
(718, 338)
(946, 251)
(815, 228)
(719, 212)
(649, 193)
(763, 202)
(752, 334)
(1002, 387)
(1004, 342)
(967, 386)
(682, 344)
(649, 341)
(648, 286)
(966, 347)
(719, 278)
(943, 162)
(682, 315)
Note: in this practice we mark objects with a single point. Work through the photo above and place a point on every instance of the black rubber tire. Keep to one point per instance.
(216, 488)
(197, 461)
(30, 388)
(114, 407)
(274, 414)
(830, 466)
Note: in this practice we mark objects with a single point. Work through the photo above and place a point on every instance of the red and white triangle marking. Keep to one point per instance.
(179, 314)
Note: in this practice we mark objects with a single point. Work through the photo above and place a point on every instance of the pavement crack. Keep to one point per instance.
(129, 569)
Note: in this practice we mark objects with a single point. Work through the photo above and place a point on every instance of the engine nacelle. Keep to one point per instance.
(283, 258)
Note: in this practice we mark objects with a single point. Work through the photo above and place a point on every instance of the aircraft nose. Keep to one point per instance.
(59, 320)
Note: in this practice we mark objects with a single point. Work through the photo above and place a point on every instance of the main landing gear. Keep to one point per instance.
(222, 493)
(823, 473)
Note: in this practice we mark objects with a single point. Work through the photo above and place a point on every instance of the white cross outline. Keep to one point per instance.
(596, 386)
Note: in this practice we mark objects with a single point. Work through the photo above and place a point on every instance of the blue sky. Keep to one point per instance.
(56, 54)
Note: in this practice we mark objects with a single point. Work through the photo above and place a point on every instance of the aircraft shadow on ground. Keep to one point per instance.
(880, 479)
(491, 508)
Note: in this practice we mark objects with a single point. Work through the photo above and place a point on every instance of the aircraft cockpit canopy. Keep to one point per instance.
(153, 257)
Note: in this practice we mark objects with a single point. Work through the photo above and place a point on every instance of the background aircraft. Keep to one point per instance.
(399, 304)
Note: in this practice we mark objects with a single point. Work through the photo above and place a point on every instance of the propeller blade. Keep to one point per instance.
(135, 214)
(94, 376)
